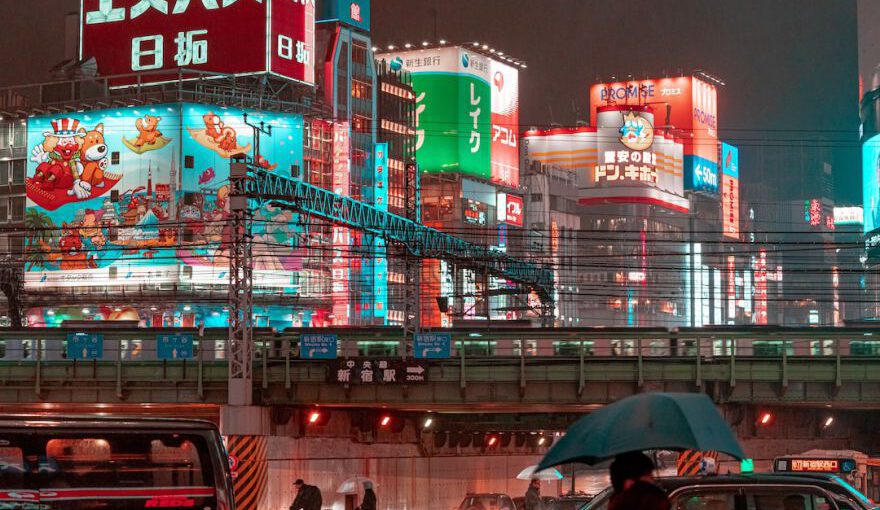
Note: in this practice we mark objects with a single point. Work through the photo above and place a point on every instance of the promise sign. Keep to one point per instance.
(222, 36)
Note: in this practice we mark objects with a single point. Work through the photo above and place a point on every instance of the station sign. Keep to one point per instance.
(174, 347)
(432, 345)
(814, 465)
(318, 346)
(85, 346)
(367, 372)
(235, 37)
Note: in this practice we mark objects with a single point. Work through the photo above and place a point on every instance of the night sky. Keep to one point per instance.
(790, 65)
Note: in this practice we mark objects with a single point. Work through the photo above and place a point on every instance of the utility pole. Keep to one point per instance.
(241, 270)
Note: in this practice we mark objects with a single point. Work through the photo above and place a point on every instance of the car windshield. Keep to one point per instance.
(853, 492)
(599, 502)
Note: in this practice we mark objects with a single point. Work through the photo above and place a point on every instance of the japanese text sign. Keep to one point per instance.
(217, 36)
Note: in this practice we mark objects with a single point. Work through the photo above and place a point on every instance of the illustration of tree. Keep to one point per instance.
(39, 227)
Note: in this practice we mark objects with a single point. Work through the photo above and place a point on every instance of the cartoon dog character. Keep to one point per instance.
(148, 129)
(93, 159)
(56, 158)
(224, 136)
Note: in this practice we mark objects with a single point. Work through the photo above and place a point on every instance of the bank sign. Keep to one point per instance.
(467, 112)
(220, 36)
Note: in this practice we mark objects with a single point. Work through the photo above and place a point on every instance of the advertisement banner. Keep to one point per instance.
(761, 311)
(871, 183)
(510, 209)
(730, 191)
(136, 196)
(453, 109)
(239, 37)
(339, 265)
(380, 262)
(685, 106)
(505, 123)
(475, 212)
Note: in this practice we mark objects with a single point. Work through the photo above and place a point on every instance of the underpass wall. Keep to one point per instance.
(406, 479)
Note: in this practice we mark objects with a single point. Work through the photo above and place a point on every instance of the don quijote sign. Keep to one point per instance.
(238, 37)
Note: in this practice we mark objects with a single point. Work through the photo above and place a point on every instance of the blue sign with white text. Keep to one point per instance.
(85, 346)
(701, 174)
(432, 345)
(174, 347)
(318, 346)
(355, 13)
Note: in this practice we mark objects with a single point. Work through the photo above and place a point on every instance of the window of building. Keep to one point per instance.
(18, 171)
(18, 208)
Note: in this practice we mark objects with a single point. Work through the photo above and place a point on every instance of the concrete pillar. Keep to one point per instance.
(245, 429)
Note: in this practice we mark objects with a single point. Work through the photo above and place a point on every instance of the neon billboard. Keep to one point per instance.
(230, 37)
(730, 191)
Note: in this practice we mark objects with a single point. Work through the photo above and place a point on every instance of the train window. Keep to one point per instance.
(572, 348)
(377, 348)
(772, 348)
(478, 348)
(623, 348)
(722, 347)
(822, 347)
(864, 348)
(531, 347)
(2, 348)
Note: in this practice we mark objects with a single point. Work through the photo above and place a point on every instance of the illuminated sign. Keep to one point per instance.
(475, 212)
(355, 13)
(627, 166)
(131, 196)
(380, 262)
(513, 208)
(505, 123)
(467, 112)
(871, 183)
(731, 287)
(730, 191)
(220, 36)
(341, 242)
(813, 212)
(761, 312)
(690, 106)
(813, 465)
(637, 132)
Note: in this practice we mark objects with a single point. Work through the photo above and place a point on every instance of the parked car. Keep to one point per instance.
(548, 501)
(574, 502)
(487, 501)
(763, 491)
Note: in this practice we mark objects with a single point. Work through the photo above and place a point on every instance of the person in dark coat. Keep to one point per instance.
(632, 477)
(533, 496)
(369, 502)
(308, 497)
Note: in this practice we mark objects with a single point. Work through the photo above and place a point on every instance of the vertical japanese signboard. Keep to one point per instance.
(380, 263)
(761, 316)
(730, 191)
(341, 242)
(220, 36)
(505, 123)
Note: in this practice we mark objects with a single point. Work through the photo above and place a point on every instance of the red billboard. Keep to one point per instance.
(217, 36)
(505, 123)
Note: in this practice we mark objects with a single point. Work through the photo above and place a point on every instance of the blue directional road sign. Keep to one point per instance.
(174, 347)
(318, 346)
(85, 346)
(432, 345)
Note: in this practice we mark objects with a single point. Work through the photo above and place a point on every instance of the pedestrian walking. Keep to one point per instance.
(533, 496)
(369, 502)
(308, 497)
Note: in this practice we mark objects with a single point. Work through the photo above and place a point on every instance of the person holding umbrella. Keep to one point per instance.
(533, 496)
(369, 502)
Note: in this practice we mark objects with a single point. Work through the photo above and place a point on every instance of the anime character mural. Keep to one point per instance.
(83, 235)
(214, 137)
(72, 165)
